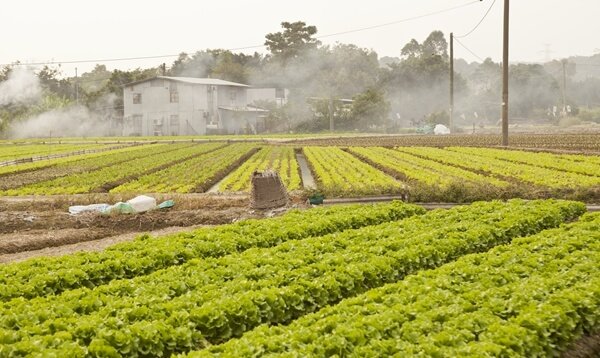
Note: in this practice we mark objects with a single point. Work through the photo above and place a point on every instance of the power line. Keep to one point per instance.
(245, 47)
(479, 23)
(585, 64)
(466, 48)
(399, 21)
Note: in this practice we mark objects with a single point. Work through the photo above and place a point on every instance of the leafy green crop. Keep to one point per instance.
(527, 173)
(581, 164)
(193, 175)
(94, 180)
(43, 276)
(340, 173)
(278, 158)
(531, 298)
(214, 299)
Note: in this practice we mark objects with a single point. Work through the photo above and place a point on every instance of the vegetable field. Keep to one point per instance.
(279, 159)
(458, 174)
(498, 278)
(338, 173)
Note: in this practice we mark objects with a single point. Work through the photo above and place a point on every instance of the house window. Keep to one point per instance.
(137, 98)
(232, 95)
(174, 120)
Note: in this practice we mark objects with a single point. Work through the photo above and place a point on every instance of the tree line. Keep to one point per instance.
(380, 94)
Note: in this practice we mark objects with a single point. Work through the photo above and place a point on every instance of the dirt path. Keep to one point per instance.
(307, 178)
(92, 245)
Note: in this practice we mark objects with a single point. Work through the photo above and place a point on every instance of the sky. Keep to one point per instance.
(69, 30)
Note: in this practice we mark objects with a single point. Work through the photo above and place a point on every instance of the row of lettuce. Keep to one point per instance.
(206, 289)
(458, 174)
(532, 298)
(44, 276)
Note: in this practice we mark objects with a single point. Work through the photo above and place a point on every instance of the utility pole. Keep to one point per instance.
(505, 67)
(331, 126)
(76, 87)
(451, 120)
(564, 86)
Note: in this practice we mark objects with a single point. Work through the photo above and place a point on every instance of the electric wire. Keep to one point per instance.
(479, 23)
(398, 21)
(241, 48)
(466, 48)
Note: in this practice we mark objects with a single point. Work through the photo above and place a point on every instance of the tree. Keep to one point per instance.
(418, 84)
(531, 88)
(412, 49)
(435, 45)
(296, 38)
(370, 109)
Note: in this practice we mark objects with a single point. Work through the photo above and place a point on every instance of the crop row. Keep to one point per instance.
(562, 141)
(339, 173)
(278, 158)
(44, 276)
(26, 167)
(216, 299)
(96, 180)
(426, 171)
(113, 157)
(11, 152)
(528, 299)
(524, 172)
(193, 175)
(579, 164)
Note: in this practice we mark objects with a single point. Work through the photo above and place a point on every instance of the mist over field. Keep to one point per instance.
(341, 85)
(21, 86)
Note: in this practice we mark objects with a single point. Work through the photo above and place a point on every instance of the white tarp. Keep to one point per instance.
(441, 129)
(139, 204)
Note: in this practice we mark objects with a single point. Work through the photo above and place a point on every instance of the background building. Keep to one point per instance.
(189, 106)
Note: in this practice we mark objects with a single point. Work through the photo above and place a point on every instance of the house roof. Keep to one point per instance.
(243, 109)
(191, 80)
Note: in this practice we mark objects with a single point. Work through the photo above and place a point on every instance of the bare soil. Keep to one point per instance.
(586, 347)
(94, 244)
(41, 225)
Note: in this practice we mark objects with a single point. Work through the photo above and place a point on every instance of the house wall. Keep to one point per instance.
(232, 96)
(267, 94)
(157, 115)
(197, 106)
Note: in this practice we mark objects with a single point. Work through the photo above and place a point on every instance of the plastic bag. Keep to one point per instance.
(142, 203)
(78, 209)
(121, 208)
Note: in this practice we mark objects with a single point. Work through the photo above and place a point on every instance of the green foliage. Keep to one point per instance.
(535, 88)
(213, 300)
(197, 174)
(280, 159)
(370, 109)
(407, 311)
(103, 178)
(41, 277)
(295, 38)
(339, 173)
(441, 117)
(589, 115)
(477, 159)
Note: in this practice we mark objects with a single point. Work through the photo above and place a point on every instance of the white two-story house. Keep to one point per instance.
(188, 106)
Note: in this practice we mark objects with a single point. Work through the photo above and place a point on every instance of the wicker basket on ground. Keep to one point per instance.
(267, 190)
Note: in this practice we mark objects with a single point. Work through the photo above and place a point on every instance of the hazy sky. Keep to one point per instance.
(64, 30)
